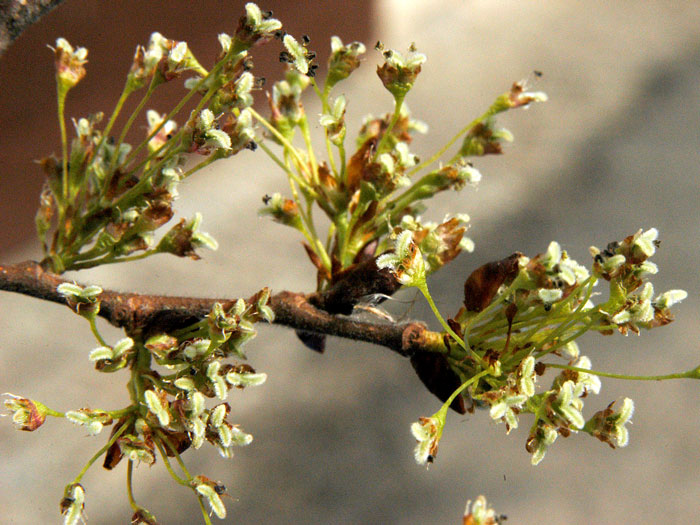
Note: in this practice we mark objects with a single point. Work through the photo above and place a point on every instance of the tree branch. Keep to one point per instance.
(146, 314)
(16, 16)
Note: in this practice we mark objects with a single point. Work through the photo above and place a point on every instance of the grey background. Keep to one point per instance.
(615, 149)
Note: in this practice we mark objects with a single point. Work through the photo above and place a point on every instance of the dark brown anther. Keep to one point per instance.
(306, 39)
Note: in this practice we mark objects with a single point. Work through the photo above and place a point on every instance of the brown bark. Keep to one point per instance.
(138, 313)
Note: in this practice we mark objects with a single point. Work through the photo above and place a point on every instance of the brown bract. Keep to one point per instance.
(483, 283)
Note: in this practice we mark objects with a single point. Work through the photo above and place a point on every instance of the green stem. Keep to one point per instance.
(129, 488)
(168, 466)
(398, 102)
(104, 449)
(283, 166)
(449, 143)
(464, 385)
(690, 374)
(111, 259)
(61, 93)
(287, 145)
(126, 92)
(96, 333)
(188, 482)
(304, 126)
(151, 88)
(423, 287)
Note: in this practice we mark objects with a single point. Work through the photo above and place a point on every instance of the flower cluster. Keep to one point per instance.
(519, 310)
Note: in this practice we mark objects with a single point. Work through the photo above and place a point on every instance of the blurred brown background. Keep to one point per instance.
(615, 149)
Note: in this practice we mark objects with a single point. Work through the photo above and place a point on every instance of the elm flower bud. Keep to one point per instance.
(570, 350)
(70, 64)
(184, 383)
(427, 431)
(196, 403)
(263, 305)
(406, 262)
(244, 86)
(72, 504)
(587, 382)
(468, 174)
(28, 415)
(225, 41)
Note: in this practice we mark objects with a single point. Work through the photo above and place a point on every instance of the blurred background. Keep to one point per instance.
(614, 150)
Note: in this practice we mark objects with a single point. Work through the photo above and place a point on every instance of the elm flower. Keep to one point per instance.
(92, 420)
(609, 425)
(539, 442)
(427, 431)
(343, 61)
(526, 376)
(479, 513)
(298, 54)
(668, 299)
(256, 26)
(406, 262)
(242, 379)
(158, 405)
(70, 63)
(72, 504)
(502, 409)
(646, 241)
(586, 382)
(28, 415)
(398, 73)
(568, 405)
(165, 130)
(211, 491)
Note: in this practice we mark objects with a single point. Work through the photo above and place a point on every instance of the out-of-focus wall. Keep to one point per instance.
(615, 149)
